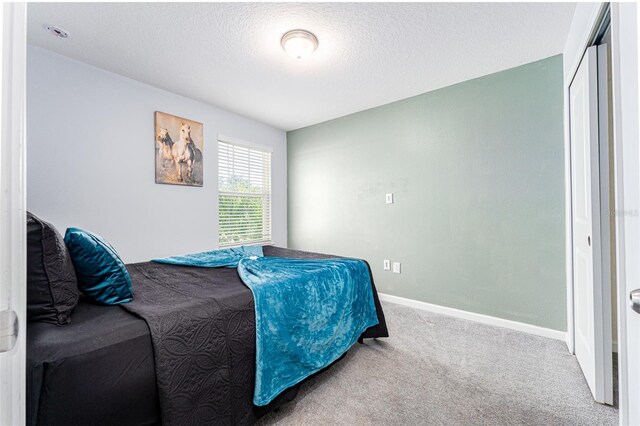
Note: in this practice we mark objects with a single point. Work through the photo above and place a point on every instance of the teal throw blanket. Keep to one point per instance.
(228, 258)
(308, 314)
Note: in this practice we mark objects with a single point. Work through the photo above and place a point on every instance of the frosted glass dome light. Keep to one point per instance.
(299, 44)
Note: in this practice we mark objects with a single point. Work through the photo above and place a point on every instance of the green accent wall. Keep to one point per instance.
(477, 172)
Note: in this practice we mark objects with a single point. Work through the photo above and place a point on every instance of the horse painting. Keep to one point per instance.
(178, 150)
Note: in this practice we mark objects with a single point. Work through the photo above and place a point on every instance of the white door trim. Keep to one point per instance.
(13, 53)
(626, 131)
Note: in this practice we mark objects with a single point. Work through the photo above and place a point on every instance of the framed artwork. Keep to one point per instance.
(179, 147)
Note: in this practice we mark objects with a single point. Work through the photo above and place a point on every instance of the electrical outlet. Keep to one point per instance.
(396, 267)
(389, 198)
(387, 265)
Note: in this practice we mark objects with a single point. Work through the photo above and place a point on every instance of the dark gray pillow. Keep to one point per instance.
(52, 288)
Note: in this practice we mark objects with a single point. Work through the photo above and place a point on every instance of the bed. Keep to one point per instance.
(143, 362)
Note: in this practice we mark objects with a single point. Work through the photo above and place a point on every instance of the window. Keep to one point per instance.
(244, 185)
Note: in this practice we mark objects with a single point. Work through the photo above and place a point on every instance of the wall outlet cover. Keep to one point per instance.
(396, 267)
(387, 265)
(389, 198)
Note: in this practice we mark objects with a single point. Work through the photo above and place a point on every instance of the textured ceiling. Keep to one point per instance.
(229, 54)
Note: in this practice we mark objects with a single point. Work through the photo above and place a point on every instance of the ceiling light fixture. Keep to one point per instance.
(299, 43)
(58, 32)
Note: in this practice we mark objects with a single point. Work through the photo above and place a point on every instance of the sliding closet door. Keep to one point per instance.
(592, 297)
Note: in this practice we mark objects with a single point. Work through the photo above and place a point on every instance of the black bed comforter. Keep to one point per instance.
(98, 370)
(202, 327)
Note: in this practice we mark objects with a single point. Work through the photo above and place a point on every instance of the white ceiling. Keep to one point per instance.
(229, 54)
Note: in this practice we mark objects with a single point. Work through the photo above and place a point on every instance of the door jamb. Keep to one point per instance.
(13, 191)
(625, 19)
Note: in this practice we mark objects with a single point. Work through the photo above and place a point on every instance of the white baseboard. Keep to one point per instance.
(472, 316)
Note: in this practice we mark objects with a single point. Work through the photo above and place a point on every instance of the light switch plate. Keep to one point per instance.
(396, 267)
(389, 198)
(387, 265)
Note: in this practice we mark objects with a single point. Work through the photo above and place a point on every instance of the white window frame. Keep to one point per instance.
(266, 196)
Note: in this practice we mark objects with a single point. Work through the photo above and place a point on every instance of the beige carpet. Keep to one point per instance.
(438, 370)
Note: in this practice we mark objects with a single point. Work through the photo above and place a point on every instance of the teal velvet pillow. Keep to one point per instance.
(102, 276)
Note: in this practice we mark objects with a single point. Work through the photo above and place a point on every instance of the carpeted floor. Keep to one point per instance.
(439, 370)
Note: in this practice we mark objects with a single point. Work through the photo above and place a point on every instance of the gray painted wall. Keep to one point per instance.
(90, 160)
(477, 174)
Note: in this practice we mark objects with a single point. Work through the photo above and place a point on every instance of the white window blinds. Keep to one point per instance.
(244, 185)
